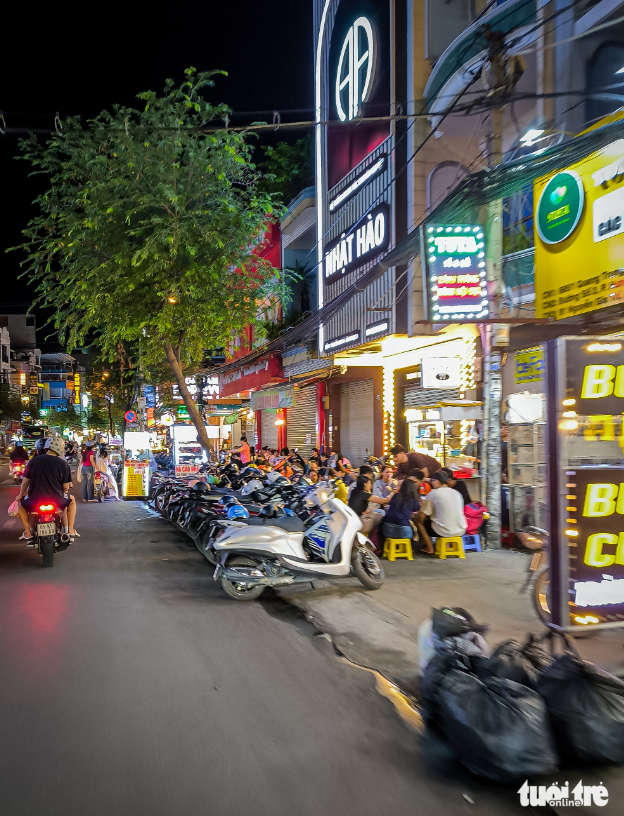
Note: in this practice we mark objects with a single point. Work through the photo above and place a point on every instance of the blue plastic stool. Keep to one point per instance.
(472, 542)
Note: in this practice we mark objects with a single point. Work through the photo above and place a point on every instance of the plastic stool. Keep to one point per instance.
(398, 548)
(472, 542)
(450, 546)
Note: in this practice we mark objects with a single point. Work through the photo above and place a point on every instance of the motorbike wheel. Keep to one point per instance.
(47, 551)
(367, 569)
(541, 595)
(240, 591)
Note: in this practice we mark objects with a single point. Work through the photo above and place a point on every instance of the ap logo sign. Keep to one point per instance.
(355, 69)
(561, 796)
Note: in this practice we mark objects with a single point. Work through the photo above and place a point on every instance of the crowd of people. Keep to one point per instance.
(406, 495)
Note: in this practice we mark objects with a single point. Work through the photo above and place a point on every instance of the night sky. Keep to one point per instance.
(81, 60)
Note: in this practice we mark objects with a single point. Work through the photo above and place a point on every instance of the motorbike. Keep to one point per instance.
(18, 471)
(255, 553)
(49, 536)
(101, 488)
(533, 540)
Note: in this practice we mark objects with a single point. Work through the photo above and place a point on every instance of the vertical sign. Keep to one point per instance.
(455, 270)
(587, 506)
(76, 389)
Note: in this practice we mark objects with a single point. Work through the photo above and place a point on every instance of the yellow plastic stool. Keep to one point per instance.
(398, 548)
(450, 546)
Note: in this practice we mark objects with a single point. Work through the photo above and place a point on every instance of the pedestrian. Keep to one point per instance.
(444, 508)
(243, 451)
(86, 467)
(458, 484)
(400, 510)
(406, 462)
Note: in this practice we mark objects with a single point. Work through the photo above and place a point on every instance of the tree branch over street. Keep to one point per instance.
(147, 232)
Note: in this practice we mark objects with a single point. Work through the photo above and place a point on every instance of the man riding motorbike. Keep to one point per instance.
(18, 454)
(47, 476)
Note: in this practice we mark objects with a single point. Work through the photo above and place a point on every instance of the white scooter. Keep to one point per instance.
(256, 553)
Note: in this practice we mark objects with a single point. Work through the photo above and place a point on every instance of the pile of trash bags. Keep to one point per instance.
(516, 711)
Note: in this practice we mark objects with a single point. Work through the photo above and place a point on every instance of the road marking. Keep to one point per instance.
(10, 523)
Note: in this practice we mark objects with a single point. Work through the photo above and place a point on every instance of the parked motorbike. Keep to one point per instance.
(257, 553)
(48, 530)
(533, 540)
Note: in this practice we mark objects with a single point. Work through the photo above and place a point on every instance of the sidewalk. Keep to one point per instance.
(380, 629)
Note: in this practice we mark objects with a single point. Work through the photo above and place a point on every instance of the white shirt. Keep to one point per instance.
(446, 508)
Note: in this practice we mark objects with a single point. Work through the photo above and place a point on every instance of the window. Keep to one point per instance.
(603, 70)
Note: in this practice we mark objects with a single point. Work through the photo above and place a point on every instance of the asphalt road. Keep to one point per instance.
(130, 684)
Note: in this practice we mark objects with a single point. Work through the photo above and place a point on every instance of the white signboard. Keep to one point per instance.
(440, 372)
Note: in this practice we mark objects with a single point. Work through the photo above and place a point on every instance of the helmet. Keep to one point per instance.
(248, 489)
(281, 481)
(250, 470)
(227, 499)
(19, 443)
(56, 445)
(231, 469)
(273, 476)
(213, 480)
(237, 511)
(39, 445)
(201, 487)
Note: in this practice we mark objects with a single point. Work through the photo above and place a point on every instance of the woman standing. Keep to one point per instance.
(87, 466)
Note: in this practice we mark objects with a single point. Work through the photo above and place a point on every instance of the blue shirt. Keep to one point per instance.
(398, 513)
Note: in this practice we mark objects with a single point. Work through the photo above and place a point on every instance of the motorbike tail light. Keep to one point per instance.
(45, 508)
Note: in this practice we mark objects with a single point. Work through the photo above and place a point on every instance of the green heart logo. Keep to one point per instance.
(558, 194)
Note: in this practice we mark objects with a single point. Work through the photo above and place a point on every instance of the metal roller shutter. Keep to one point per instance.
(356, 420)
(301, 421)
(269, 429)
(417, 397)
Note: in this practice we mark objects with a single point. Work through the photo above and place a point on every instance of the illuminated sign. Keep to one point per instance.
(560, 207)
(440, 372)
(371, 171)
(76, 389)
(355, 69)
(376, 328)
(343, 340)
(360, 243)
(455, 262)
(578, 248)
(209, 391)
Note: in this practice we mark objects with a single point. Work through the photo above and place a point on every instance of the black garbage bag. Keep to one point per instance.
(586, 707)
(452, 621)
(431, 682)
(517, 662)
(499, 729)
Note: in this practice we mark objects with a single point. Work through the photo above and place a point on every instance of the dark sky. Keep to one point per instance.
(81, 60)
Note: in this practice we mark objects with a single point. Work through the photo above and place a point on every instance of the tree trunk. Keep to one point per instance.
(175, 366)
(110, 418)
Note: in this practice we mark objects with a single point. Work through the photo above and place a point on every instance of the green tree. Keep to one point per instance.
(11, 405)
(146, 234)
(65, 419)
(287, 168)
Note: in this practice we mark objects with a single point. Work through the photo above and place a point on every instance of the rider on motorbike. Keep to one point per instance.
(18, 454)
(47, 477)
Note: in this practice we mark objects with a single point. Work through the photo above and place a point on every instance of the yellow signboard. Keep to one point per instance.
(579, 236)
(529, 365)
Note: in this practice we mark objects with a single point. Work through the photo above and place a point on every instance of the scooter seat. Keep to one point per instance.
(288, 523)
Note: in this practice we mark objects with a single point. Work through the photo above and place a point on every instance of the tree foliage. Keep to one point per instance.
(288, 168)
(146, 234)
(11, 405)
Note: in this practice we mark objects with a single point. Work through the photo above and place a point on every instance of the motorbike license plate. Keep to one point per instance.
(46, 529)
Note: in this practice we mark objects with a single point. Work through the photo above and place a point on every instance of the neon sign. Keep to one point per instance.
(355, 69)
(455, 261)
(361, 243)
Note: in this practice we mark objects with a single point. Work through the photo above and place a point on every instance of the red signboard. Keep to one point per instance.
(254, 375)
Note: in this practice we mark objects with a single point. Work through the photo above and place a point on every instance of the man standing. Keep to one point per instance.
(47, 477)
(406, 462)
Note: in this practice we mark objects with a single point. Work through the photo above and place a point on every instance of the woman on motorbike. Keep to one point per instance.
(102, 465)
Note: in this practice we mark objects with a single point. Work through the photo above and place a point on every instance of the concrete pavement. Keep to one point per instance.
(380, 629)
(130, 685)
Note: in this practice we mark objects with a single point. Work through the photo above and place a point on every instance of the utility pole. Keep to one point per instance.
(491, 464)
